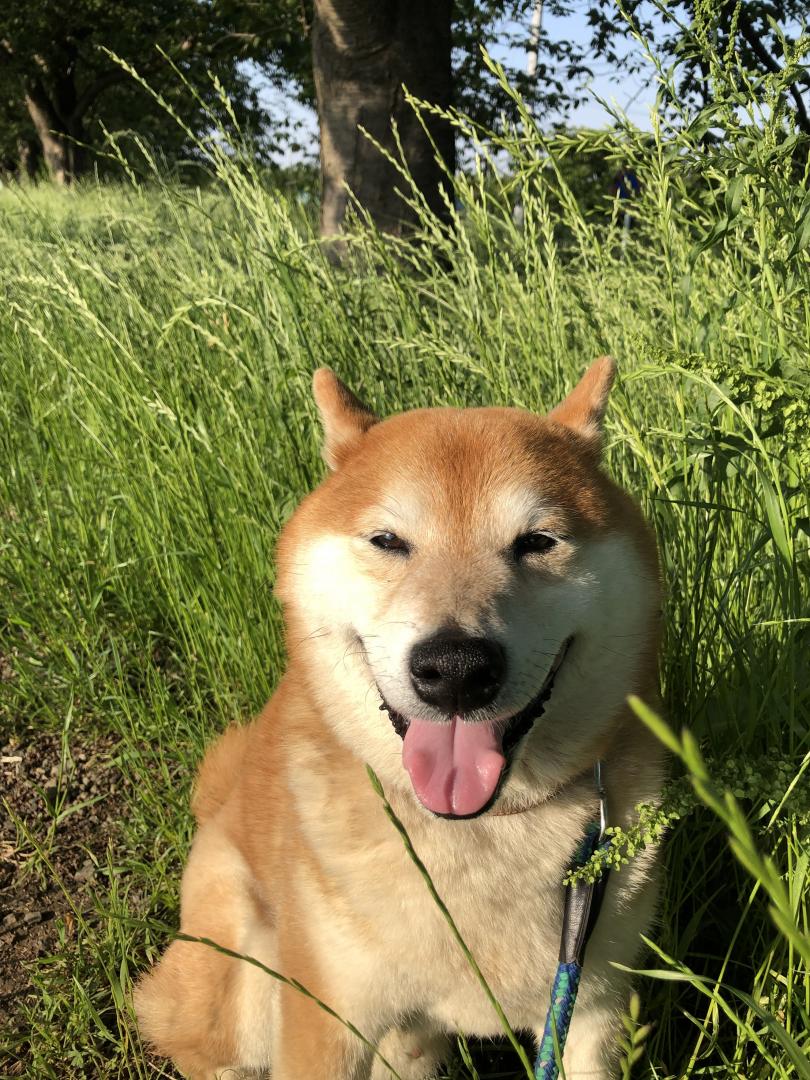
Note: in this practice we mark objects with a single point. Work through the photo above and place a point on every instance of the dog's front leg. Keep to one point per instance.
(310, 1044)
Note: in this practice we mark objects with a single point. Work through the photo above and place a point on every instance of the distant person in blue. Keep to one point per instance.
(627, 186)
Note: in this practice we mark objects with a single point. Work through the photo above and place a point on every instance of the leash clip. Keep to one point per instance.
(603, 800)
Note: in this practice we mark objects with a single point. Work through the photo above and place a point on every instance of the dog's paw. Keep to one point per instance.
(414, 1052)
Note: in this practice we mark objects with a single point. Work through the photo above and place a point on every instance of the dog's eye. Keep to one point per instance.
(388, 541)
(533, 543)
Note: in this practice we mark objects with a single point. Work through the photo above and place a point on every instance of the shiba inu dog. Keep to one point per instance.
(468, 601)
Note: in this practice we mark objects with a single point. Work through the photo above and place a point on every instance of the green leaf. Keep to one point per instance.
(733, 197)
(802, 236)
(717, 232)
(773, 511)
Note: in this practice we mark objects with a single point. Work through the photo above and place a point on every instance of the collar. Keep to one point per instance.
(598, 778)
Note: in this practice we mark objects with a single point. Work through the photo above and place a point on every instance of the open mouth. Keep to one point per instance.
(458, 767)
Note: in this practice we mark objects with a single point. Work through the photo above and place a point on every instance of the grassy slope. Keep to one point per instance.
(156, 429)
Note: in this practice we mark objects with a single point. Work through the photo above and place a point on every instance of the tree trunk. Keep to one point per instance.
(362, 52)
(27, 160)
(59, 131)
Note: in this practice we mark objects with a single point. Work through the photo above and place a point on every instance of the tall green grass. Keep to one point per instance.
(156, 430)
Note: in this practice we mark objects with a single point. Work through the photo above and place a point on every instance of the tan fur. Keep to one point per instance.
(219, 773)
(294, 862)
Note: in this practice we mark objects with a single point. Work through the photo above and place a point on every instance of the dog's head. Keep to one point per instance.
(469, 597)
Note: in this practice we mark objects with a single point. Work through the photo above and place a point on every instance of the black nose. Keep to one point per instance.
(457, 673)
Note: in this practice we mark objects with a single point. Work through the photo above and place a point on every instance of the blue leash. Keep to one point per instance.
(582, 903)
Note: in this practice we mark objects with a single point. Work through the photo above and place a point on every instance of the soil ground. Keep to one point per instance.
(65, 800)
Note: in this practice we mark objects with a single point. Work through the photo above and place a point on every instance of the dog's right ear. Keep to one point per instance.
(583, 411)
(344, 417)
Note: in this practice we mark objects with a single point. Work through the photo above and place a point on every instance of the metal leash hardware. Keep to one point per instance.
(583, 901)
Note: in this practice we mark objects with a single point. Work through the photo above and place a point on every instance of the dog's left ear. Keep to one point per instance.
(344, 417)
(584, 409)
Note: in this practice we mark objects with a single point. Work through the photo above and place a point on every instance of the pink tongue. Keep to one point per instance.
(454, 767)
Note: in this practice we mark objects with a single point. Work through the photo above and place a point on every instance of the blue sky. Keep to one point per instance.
(633, 94)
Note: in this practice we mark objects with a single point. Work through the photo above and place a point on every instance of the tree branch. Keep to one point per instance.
(115, 76)
(102, 83)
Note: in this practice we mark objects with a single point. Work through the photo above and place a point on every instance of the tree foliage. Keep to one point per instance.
(60, 86)
(59, 78)
(760, 36)
(57, 52)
